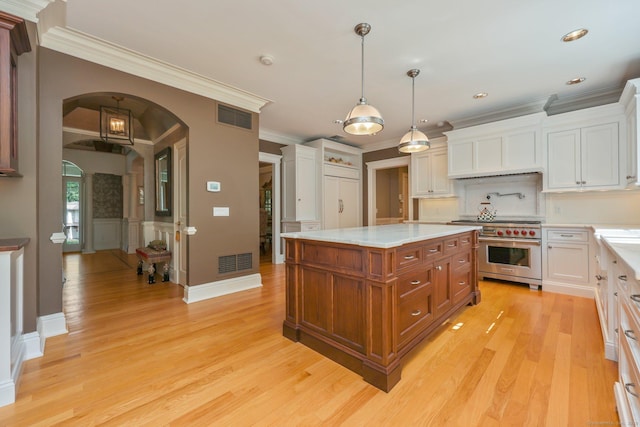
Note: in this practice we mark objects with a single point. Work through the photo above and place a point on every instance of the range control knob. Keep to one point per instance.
(532, 232)
(516, 232)
(524, 232)
(499, 233)
(508, 232)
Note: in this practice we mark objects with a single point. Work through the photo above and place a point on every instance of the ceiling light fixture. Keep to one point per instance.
(413, 141)
(116, 124)
(363, 119)
(480, 95)
(576, 80)
(575, 35)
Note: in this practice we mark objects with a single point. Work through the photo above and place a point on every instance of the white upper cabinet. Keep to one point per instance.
(429, 177)
(629, 100)
(583, 150)
(504, 147)
(300, 183)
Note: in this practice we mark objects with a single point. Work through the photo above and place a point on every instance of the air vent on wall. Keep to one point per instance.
(231, 263)
(233, 117)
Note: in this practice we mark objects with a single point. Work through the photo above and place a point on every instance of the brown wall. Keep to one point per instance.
(215, 152)
(18, 199)
(271, 147)
(373, 156)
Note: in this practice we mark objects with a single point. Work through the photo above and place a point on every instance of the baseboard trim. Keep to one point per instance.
(7, 392)
(222, 287)
(32, 348)
(569, 289)
(50, 326)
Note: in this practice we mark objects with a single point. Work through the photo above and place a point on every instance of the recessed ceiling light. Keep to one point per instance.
(575, 35)
(576, 80)
(480, 95)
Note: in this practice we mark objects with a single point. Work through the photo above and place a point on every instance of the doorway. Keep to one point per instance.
(72, 189)
(272, 236)
(388, 191)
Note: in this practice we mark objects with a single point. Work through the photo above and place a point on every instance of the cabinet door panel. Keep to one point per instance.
(520, 151)
(442, 285)
(331, 208)
(306, 188)
(563, 151)
(349, 191)
(568, 262)
(599, 145)
(489, 154)
(461, 158)
(440, 183)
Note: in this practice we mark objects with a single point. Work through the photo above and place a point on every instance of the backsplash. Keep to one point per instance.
(511, 196)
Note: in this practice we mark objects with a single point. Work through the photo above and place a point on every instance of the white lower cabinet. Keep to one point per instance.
(567, 266)
(627, 389)
(341, 202)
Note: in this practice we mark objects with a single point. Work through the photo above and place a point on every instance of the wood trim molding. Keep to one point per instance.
(89, 48)
(25, 9)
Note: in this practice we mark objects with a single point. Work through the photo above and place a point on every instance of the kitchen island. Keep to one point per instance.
(366, 296)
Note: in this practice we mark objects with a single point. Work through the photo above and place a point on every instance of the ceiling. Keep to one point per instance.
(511, 50)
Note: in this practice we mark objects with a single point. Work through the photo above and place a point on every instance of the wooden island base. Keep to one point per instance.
(366, 307)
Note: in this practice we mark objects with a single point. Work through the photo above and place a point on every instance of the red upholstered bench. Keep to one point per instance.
(151, 257)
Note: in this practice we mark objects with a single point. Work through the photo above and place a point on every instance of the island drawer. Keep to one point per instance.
(408, 256)
(461, 260)
(412, 281)
(461, 283)
(433, 249)
(415, 312)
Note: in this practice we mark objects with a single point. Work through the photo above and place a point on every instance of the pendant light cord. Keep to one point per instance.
(362, 68)
(413, 102)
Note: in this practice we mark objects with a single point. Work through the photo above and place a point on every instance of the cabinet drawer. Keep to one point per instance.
(451, 245)
(415, 312)
(568, 235)
(461, 283)
(408, 256)
(309, 226)
(629, 380)
(433, 250)
(461, 260)
(412, 281)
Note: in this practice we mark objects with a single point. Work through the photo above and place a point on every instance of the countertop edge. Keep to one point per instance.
(13, 244)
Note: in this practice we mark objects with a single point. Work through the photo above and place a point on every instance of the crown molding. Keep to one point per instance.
(268, 135)
(498, 115)
(25, 9)
(93, 49)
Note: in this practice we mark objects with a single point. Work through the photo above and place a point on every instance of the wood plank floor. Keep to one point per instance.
(136, 354)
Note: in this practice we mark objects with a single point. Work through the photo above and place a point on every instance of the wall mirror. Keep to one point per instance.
(163, 182)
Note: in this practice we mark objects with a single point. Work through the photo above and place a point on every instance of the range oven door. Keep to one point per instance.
(518, 260)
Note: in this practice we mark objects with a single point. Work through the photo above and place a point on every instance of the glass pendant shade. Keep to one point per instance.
(363, 119)
(413, 141)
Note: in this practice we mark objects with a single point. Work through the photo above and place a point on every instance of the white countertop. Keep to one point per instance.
(625, 243)
(382, 236)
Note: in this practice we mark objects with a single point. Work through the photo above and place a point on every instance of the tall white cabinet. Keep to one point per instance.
(339, 173)
(300, 188)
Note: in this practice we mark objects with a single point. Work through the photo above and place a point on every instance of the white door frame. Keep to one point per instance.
(275, 161)
(372, 167)
(180, 223)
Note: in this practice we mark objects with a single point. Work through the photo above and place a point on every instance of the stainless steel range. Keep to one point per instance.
(510, 250)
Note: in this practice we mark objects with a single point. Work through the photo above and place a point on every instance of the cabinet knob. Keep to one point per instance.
(583, 182)
(630, 334)
(439, 267)
(550, 247)
(631, 177)
(628, 387)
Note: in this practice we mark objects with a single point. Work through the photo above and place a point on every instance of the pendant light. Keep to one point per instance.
(414, 140)
(363, 119)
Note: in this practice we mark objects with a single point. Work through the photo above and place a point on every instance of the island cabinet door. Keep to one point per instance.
(334, 305)
(461, 277)
(414, 293)
(442, 285)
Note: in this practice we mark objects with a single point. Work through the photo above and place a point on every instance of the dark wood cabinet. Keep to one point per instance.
(367, 307)
(14, 41)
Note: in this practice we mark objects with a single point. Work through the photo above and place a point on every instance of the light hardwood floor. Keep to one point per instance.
(136, 354)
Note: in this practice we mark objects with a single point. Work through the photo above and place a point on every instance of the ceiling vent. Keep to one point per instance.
(234, 117)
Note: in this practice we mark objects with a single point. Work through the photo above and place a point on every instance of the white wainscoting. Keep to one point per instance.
(107, 233)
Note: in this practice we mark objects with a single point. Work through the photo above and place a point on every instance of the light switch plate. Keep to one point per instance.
(220, 211)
